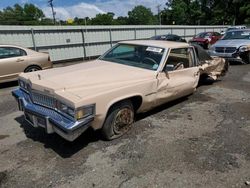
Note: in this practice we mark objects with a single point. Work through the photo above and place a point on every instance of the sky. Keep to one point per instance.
(66, 9)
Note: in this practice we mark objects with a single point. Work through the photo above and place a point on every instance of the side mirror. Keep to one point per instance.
(168, 67)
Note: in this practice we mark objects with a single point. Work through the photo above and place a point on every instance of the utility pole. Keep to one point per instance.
(159, 13)
(53, 12)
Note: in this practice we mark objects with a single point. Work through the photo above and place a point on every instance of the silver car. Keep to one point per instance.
(234, 46)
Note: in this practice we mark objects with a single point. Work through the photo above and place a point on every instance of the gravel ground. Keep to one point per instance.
(202, 140)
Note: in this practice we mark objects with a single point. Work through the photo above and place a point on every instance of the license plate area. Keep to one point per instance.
(41, 122)
(29, 118)
(35, 121)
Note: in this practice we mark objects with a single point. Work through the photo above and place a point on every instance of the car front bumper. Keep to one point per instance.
(231, 57)
(49, 119)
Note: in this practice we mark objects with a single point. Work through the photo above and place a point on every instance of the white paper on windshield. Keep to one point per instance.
(154, 49)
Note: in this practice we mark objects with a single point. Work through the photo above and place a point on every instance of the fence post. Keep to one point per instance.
(33, 38)
(83, 44)
(110, 37)
(135, 33)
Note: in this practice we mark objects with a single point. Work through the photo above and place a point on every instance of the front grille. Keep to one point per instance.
(225, 49)
(43, 100)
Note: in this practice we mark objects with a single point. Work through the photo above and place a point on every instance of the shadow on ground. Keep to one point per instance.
(8, 84)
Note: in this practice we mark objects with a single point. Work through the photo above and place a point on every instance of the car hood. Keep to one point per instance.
(88, 79)
(231, 43)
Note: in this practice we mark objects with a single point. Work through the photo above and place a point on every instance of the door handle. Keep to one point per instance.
(19, 60)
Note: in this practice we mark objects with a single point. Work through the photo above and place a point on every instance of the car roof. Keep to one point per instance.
(157, 43)
(14, 46)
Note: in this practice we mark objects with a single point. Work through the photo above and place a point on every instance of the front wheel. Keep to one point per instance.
(119, 120)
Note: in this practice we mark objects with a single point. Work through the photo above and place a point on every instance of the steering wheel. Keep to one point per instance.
(150, 61)
(179, 66)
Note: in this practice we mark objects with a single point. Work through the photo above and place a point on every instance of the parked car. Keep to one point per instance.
(132, 77)
(16, 59)
(169, 37)
(234, 46)
(206, 39)
(233, 28)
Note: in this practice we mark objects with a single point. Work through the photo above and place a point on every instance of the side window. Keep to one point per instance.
(179, 59)
(8, 52)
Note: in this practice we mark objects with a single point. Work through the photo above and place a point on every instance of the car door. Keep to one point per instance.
(12, 62)
(179, 76)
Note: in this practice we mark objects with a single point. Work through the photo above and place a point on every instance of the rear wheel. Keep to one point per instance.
(119, 120)
(32, 68)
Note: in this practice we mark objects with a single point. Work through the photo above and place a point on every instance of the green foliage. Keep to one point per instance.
(103, 19)
(18, 15)
(141, 15)
(207, 12)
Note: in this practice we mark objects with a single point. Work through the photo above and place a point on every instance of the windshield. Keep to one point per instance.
(237, 35)
(146, 57)
(203, 35)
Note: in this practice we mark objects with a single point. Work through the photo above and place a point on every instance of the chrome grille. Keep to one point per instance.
(43, 100)
(225, 49)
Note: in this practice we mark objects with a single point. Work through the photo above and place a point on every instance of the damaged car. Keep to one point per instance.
(132, 77)
(234, 46)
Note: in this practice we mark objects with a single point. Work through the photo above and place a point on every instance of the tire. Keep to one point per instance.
(119, 120)
(32, 68)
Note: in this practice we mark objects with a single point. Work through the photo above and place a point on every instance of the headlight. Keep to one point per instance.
(243, 49)
(23, 84)
(85, 112)
(79, 113)
(65, 109)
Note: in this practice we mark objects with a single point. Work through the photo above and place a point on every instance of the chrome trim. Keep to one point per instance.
(55, 122)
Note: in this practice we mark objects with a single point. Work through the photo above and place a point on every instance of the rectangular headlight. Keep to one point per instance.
(78, 113)
(22, 84)
(84, 111)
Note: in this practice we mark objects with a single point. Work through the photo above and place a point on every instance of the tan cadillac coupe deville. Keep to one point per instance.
(131, 77)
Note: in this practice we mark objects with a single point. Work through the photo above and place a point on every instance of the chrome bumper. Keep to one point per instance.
(49, 119)
(231, 57)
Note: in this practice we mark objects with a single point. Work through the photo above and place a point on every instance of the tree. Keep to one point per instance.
(17, 15)
(32, 14)
(103, 19)
(141, 15)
